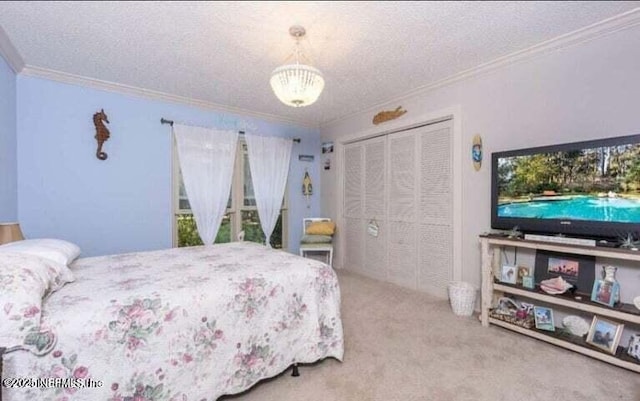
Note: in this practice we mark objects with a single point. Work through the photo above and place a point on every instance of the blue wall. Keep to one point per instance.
(121, 204)
(8, 168)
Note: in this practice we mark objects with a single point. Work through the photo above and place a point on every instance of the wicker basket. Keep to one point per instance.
(462, 297)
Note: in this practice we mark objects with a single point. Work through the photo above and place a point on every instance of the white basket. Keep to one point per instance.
(462, 297)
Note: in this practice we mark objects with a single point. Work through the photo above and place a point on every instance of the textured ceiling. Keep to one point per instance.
(224, 52)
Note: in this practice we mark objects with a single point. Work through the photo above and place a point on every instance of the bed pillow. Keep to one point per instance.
(316, 239)
(321, 228)
(24, 281)
(61, 252)
(57, 250)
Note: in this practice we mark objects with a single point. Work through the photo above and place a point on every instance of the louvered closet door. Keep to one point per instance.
(402, 208)
(364, 201)
(435, 203)
(375, 252)
(353, 206)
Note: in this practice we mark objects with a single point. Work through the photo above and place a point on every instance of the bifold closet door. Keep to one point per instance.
(375, 252)
(364, 203)
(353, 206)
(435, 209)
(402, 222)
(402, 182)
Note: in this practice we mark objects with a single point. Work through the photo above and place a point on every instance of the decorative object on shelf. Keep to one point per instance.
(508, 274)
(523, 271)
(576, 325)
(525, 310)
(636, 302)
(528, 282)
(606, 290)
(633, 349)
(576, 269)
(544, 318)
(514, 232)
(476, 152)
(102, 133)
(307, 187)
(384, 116)
(527, 323)
(506, 306)
(629, 242)
(296, 84)
(605, 334)
(555, 286)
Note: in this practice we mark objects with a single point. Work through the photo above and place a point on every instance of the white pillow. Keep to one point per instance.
(61, 251)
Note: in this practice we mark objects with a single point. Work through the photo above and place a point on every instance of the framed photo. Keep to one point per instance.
(604, 292)
(579, 270)
(605, 334)
(544, 318)
(327, 147)
(527, 282)
(508, 274)
(522, 272)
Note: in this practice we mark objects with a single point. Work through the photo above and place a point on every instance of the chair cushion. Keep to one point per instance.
(321, 228)
(316, 239)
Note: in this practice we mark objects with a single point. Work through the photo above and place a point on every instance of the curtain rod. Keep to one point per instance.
(170, 122)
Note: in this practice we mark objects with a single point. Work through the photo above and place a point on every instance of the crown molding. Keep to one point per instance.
(9, 52)
(72, 79)
(591, 32)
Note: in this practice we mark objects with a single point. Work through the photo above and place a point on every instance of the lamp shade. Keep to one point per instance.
(297, 85)
(10, 232)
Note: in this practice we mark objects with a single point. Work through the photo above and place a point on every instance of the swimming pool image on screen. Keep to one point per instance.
(599, 184)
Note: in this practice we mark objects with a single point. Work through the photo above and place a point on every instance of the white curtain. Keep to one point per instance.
(269, 163)
(206, 160)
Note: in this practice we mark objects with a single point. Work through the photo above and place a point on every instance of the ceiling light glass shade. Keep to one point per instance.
(297, 85)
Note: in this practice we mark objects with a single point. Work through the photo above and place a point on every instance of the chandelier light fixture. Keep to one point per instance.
(297, 85)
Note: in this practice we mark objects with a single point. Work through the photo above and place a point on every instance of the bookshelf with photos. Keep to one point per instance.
(517, 301)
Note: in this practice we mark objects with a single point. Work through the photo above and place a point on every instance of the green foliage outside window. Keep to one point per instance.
(188, 232)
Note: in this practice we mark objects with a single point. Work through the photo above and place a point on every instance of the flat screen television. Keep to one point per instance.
(585, 189)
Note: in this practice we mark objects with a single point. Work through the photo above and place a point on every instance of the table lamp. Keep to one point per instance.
(10, 232)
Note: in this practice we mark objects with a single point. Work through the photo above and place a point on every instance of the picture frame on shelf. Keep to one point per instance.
(578, 270)
(522, 272)
(605, 334)
(528, 282)
(604, 292)
(544, 318)
(508, 274)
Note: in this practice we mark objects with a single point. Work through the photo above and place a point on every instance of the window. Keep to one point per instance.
(241, 213)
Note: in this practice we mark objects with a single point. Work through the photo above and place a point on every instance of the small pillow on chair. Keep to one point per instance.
(321, 228)
(316, 239)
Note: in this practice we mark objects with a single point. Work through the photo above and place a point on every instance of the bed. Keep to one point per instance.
(188, 324)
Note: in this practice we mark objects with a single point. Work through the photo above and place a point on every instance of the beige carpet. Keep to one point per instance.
(404, 345)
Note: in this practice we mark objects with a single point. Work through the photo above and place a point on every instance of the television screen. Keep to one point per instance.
(587, 189)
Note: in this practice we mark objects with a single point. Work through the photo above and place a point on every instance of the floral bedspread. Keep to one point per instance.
(188, 324)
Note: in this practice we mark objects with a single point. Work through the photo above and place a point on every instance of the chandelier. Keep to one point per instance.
(297, 85)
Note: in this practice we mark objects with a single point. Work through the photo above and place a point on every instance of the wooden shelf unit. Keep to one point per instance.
(491, 249)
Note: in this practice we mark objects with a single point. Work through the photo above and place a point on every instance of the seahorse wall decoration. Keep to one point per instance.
(388, 115)
(102, 133)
